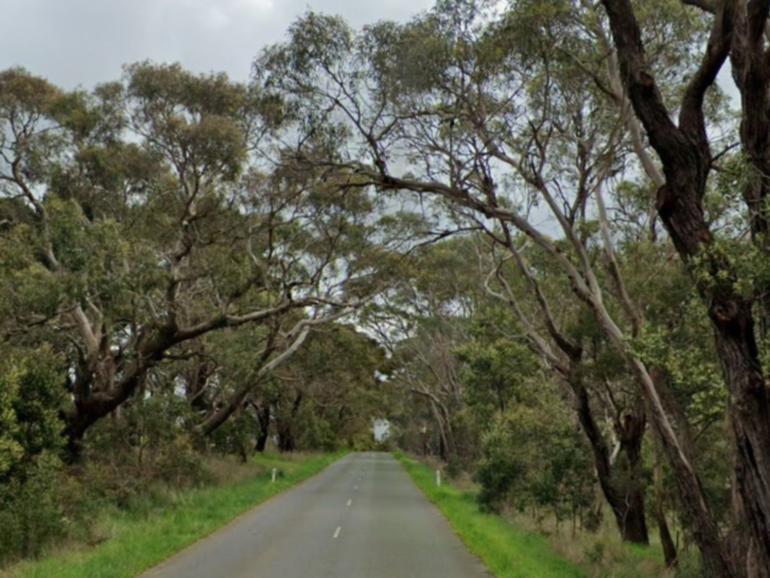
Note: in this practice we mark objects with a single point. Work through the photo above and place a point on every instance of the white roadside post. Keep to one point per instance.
(438, 478)
(275, 471)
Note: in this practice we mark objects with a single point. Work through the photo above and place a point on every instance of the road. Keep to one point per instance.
(362, 517)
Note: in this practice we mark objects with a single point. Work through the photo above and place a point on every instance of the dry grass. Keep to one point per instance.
(230, 469)
(602, 553)
(128, 542)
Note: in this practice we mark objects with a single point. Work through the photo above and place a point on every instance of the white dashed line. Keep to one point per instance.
(337, 531)
(350, 501)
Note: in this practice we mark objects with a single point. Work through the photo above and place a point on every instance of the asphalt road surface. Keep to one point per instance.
(360, 518)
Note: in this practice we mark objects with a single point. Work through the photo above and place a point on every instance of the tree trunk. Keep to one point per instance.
(195, 385)
(447, 445)
(666, 541)
(87, 411)
(626, 500)
(631, 519)
(443, 444)
(97, 393)
(685, 153)
(750, 424)
(286, 440)
(263, 415)
(631, 433)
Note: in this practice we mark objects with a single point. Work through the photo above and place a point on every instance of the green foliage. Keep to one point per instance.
(30, 439)
(31, 512)
(141, 221)
(320, 433)
(693, 371)
(533, 457)
(127, 461)
(138, 216)
(497, 372)
(148, 446)
(236, 436)
(30, 398)
(341, 393)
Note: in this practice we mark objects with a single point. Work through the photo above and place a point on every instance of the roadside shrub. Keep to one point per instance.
(315, 432)
(237, 436)
(534, 461)
(454, 468)
(363, 442)
(146, 446)
(31, 514)
(500, 470)
(386, 445)
(594, 554)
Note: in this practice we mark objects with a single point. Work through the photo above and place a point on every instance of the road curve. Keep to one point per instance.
(362, 517)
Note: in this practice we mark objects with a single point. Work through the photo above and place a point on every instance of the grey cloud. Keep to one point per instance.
(83, 42)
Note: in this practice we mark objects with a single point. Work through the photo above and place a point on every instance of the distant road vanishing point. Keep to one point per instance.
(360, 518)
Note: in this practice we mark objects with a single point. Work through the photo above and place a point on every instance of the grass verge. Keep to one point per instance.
(139, 541)
(507, 551)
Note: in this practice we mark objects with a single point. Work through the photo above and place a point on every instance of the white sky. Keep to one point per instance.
(83, 42)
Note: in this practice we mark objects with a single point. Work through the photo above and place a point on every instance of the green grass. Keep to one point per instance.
(140, 541)
(507, 551)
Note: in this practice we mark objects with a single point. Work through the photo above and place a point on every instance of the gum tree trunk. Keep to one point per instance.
(685, 153)
(624, 493)
(264, 427)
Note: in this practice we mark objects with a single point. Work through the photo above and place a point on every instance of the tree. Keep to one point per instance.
(531, 458)
(455, 121)
(141, 218)
(30, 442)
(424, 320)
(685, 152)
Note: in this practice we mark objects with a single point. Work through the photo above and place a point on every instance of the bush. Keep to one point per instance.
(532, 457)
(595, 553)
(363, 442)
(146, 446)
(31, 513)
(237, 436)
(500, 470)
(689, 565)
(315, 432)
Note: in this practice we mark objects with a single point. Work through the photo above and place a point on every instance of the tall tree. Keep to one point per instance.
(146, 216)
(685, 151)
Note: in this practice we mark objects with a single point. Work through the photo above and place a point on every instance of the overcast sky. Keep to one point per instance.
(83, 42)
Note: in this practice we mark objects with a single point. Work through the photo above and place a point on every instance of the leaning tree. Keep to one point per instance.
(148, 214)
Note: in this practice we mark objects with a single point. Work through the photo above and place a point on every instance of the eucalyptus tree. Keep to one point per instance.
(315, 399)
(730, 274)
(146, 215)
(333, 399)
(423, 320)
(458, 122)
(520, 143)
